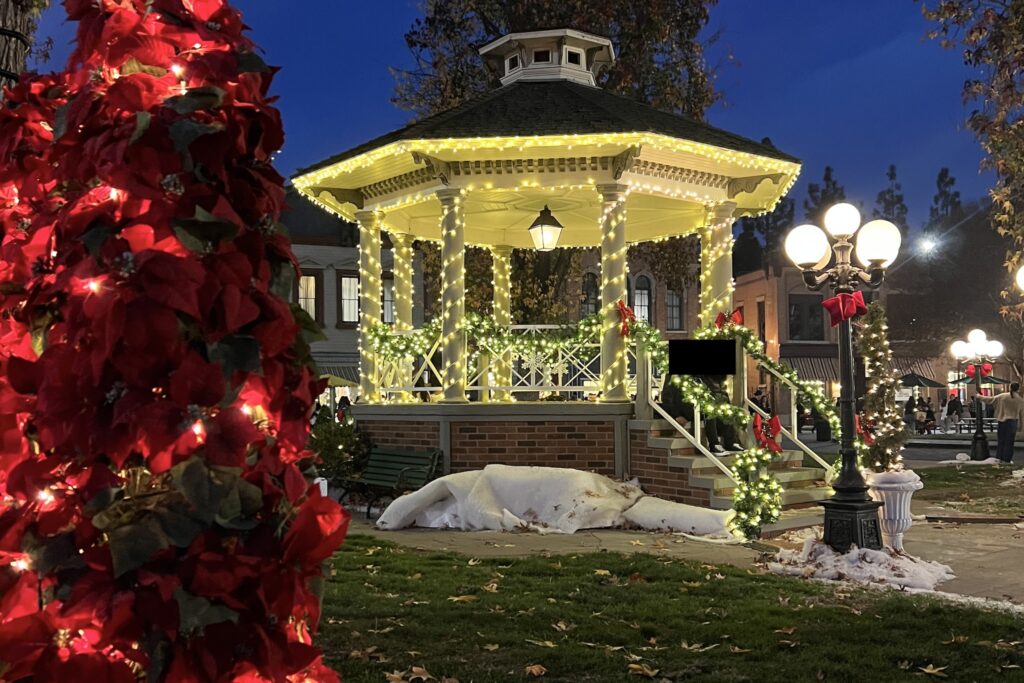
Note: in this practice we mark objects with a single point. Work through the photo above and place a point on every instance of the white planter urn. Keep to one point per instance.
(894, 490)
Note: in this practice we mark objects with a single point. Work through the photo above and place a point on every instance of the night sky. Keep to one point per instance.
(850, 84)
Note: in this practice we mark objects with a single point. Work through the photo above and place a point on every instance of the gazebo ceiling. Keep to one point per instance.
(533, 143)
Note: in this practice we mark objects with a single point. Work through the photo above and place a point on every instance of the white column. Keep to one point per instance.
(402, 248)
(369, 302)
(716, 284)
(453, 296)
(614, 363)
(501, 269)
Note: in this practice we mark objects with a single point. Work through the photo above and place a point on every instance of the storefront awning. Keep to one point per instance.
(822, 369)
(345, 372)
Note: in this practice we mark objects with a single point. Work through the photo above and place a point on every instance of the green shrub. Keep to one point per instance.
(342, 448)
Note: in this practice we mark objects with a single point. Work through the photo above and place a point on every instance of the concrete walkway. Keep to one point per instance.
(988, 559)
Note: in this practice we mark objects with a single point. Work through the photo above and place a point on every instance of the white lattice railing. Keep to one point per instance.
(534, 362)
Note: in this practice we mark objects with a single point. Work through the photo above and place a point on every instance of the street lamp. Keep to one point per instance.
(851, 517)
(978, 352)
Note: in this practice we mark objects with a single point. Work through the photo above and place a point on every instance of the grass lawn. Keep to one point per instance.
(972, 488)
(612, 617)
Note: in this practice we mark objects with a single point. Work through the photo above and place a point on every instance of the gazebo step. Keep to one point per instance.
(792, 498)
(790, 478)
(699, 464)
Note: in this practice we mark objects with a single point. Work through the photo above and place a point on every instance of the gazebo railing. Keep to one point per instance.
(533, 363)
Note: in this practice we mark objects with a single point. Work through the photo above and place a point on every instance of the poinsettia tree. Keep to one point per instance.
(156, 515)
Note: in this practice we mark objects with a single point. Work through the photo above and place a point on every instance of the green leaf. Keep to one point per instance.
(102, 500)
(196, 99)
(201, 489)
(180, 528)
(184, 132)
(132, 545)
(251, 497)
(309, 330)
(142, 121)
(203, 230)
(95, 236)
(236, 353)
(60, 121)
(55, 552)
(249, 62)
(196, 613)
(134, 66)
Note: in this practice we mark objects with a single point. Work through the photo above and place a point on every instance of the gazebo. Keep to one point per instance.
(610, 170)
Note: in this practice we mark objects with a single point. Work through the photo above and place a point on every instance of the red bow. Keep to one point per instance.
(766, 432)
(626, 316)
(844, 307)
(736, 318)
(865, 434)
(986, 370)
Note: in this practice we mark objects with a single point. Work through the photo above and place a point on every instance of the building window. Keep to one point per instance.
(348, 299)
(591, 294)
(806, 318)
(574, 57)
(642, 299)
(309, 293)
(511, 64)
(674, 307)
(387, 307)
(761, 323)
(542, 56)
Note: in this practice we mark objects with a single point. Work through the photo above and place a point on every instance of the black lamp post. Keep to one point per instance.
(851, 517)
(977, 351)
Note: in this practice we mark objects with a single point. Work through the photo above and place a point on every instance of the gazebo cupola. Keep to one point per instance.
(548, 55)
(611, 170)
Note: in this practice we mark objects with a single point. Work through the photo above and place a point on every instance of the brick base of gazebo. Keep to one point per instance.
(597, 437)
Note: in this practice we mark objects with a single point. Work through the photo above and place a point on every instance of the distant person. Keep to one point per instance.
(1008, 408)
(954, 411)
(759, 399)
(909, 417)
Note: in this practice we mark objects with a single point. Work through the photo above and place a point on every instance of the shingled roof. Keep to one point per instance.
(556, 107)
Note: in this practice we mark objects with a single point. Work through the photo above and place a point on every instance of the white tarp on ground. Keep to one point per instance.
(545, 499)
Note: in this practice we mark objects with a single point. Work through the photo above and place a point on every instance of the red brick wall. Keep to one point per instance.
(584, 445)
(414, 435)
(650, 466)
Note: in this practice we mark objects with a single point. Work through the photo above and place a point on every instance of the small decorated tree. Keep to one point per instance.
(156, 517)
(881, 432)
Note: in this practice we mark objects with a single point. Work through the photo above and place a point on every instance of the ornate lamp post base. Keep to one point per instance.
(979, 447)
(850, 523)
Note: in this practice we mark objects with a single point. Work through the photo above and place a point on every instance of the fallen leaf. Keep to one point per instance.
(473, 562)
(737, 650)
(637, 543)
(789, 630)
(415, 577)
(449, 679)
(418, 673)
(643, 670)
(381, 631)
(820, 675)
(491, 647)
(602, 572)
(395, 676)
(955, 639)
(413, 653)
(788, 643)
(491, 587)
(462, 598)
(904, 664)
(535, 670)
(932, 670)
(563, 626)
(541, 643)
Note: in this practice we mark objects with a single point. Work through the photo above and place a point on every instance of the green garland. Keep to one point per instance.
(757, 496)
(755, 348)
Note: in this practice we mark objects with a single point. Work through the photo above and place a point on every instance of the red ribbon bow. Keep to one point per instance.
(736, 318)
(865, 433)
(986, 370)
(766, 432)
(626, 316)
(844, 307)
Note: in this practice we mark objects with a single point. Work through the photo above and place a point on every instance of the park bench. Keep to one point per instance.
(392, 472)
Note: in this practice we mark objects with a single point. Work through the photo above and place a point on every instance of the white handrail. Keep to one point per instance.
(800, 444)
(694, 441)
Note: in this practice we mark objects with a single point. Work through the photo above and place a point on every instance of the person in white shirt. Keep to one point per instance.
(1009, 412)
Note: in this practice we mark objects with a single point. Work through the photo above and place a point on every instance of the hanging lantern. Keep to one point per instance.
(545, 231)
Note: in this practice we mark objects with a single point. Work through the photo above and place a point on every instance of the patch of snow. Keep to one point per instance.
(966, 460)
(542, 499)
(801, 535)
(1016, 479)
(860, 565)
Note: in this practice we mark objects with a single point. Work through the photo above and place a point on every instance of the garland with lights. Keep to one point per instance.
(755, 348)
(883, 432)
(156, 516)
(757, 495)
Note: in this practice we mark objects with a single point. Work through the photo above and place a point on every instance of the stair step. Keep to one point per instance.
(789, 477)
(799, 497)
(699, 464)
